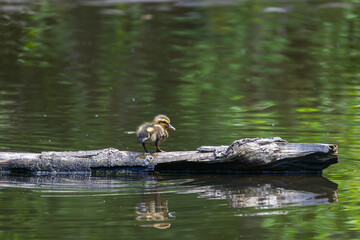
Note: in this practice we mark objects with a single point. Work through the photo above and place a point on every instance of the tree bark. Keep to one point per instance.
(249, 155)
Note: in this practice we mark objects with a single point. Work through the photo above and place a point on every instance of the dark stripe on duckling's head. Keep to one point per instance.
(163, 121)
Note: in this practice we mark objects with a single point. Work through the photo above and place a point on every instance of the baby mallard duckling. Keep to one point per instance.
(154, 132)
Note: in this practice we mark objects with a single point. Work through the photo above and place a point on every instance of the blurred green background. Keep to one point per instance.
(79, 75)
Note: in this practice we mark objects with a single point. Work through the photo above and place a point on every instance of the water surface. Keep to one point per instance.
(83, 75)
(136, 206)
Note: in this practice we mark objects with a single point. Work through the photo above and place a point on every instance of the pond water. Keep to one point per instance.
(83, 75)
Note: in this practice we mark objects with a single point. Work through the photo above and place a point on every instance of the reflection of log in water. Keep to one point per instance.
(252, 191)
(270, 191)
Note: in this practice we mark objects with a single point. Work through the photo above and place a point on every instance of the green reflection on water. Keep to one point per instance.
(92, 69)
(74, 76)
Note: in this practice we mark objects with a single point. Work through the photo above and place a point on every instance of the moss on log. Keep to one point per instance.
(249, 155)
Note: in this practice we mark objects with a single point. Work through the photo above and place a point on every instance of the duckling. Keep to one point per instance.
(154, 132)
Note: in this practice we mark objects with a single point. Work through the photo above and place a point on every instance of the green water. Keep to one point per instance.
(83, 75)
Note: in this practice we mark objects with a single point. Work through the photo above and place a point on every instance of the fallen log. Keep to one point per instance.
(249, 155)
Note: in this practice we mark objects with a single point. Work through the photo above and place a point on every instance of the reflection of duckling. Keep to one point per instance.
(153, 208)
(161, 226)
(154, 132)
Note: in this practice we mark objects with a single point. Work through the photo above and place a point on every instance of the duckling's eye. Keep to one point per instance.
(163, 122)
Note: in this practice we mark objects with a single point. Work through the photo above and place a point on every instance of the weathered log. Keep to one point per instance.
(249, 155)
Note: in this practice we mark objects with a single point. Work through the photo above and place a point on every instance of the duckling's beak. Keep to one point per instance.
(171, 127)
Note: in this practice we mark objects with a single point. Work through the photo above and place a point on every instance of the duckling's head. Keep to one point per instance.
(164, 121)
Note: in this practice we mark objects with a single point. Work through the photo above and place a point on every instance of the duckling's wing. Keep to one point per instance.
(144, 132)
(143, 136)
(141, 140)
